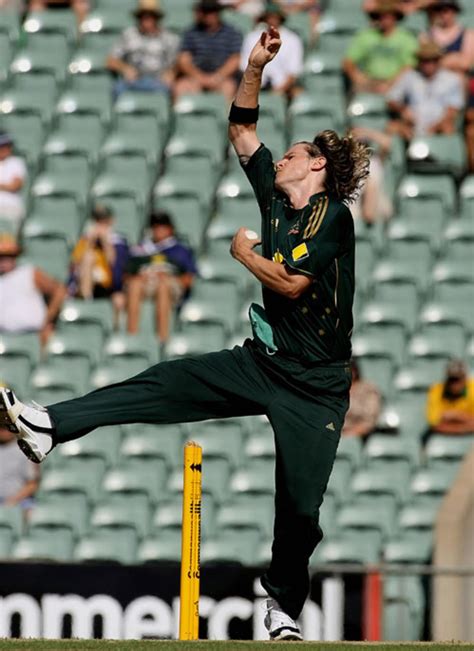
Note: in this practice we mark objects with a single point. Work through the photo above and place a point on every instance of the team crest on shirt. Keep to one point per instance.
(300, 252)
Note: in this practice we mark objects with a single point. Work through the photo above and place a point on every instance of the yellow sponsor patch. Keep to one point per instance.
(277, 257)
(300, 252)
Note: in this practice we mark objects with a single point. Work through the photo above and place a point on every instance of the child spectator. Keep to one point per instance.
(163, 269)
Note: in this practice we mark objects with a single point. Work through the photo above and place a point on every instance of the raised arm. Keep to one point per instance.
(243, 124)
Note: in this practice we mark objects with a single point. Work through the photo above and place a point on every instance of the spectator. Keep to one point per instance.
(98, 261)
(374, 203)
(210, 54)
(380, 53)
(450, 405)
(12, 179)
(427, 100)
(455, 41)
(145, 54)
(23, 289)
(281, 74)
(19, 479)
(163, 269)
(365, 402)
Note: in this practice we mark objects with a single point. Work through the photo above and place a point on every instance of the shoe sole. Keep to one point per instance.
(287, 638)
(6, 421)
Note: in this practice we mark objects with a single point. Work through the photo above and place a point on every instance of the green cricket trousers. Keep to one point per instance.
(306, 411)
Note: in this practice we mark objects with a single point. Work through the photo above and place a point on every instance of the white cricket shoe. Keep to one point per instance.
(30, 423)
(279, 625)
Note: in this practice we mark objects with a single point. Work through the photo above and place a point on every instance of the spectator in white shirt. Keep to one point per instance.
(281, 74)
(427, 100)
(12, 179)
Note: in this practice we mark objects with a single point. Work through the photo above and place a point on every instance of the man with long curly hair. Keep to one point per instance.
(296, 367)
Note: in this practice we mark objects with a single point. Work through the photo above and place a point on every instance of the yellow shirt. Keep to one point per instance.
(437, 403)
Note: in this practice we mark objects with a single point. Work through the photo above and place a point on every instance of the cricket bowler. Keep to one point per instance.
(295, 369)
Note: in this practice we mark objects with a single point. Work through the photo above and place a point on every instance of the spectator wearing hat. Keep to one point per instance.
(365, 403)
(30, 299)
(281, 74)
(210, 54)
(426, 100)
(98, 260)
(145, 55)
(455, 40)
(450, 404)
(379, 54)
(162, 268)
(12, 180)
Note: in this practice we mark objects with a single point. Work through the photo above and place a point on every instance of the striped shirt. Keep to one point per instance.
(210, 50)
(150, 55)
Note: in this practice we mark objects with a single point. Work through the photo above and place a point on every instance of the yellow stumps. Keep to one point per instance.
(190, 544)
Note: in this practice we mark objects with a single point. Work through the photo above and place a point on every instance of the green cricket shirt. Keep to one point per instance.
(317, 240)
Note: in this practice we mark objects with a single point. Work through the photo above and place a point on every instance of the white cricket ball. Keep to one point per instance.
(252, 235)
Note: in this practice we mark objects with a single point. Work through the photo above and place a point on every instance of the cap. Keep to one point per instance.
(429, 51)
(208, 5)
(148, 7)
(100, 211)
(161, 218)
(387, 7)
(9, 245)
(444, 4)
(5, 139)
(456, 369)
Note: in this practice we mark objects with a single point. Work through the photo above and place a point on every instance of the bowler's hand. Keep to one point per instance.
(242, 245)
(266, 49)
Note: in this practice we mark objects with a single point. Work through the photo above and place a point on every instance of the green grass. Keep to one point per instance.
(149, 645)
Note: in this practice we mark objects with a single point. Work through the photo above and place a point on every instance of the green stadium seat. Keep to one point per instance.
(57, 517)
(212, 302)
(126, 175)
(379, 370)
(219, 440)
(15, 372)
(165, 547)
(129, 218)
(231, 215)
(341, 20)
(196, 135)
(365, 257)
(418, 187)
(460, 230)
(27, 132)
(49, 252)
(187, 177)
(60, 21)
(199, 104)
(438, 341)
(453, 270)
(195, 339)
(139, 346)
(429, 481)
(215, 480)
(448, 448)
(389, 448)
(64, 176)
(247, 513)
(305, 127)
(350, 449)
(412, 547)
(111, 19)
(97, 311)
(438, 154)
(418, 515)
(135, 134)
(344, 549)
(384, 341)
(178, 14)
(187, 212)
(10, 24)
(234, 185)
(339, 479)
(116, 369)
(169, 513)
(377, 481)
(306, 105)
(387, 312)
(363, 516)
(142, 103)
(42, 53)
(273, 107)
(91, 54)
(260, 445)
(217, 264)
(24, 345)
(45, 225)
(137, 476)
(62, 372)
(65, 344)
(107, 546)
(227, 547)
(30, 93)
(368, 106)
(466, 192)
(120, 515)
(52, 395)
(11, 520)
(69, 480)
(420, 374)
(76, 134)
(404, 608)
(152, 442)
(43, 547)
(6, 541)
(103, 444)
(90, 94)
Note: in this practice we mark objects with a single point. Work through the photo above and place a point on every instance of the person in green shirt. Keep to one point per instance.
(295, 369)
(379, 54)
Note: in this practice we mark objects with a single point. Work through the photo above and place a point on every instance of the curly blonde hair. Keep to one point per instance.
(347, 163)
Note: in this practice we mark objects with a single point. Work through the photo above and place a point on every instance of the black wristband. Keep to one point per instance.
(239, 115)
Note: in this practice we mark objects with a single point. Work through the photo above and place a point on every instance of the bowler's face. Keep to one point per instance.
(294, 166)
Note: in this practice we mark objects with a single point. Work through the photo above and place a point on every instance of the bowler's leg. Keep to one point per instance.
(306, 439)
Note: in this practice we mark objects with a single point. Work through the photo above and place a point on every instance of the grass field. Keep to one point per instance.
(149, 645)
